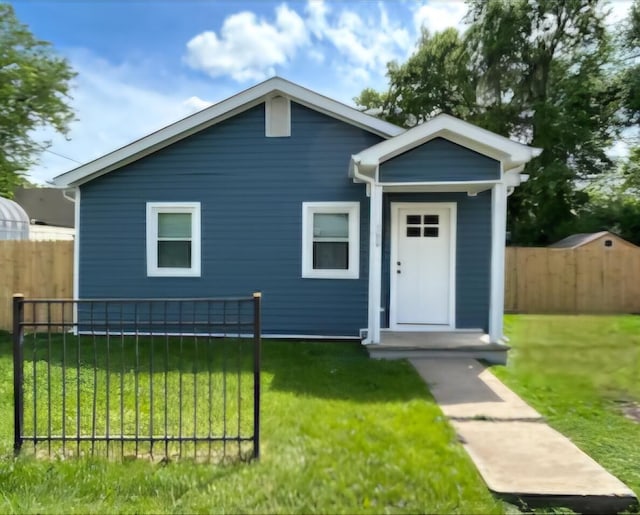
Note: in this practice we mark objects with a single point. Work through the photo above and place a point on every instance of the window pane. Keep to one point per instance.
(412, 232)
(413, 219)
(330, 225)
(330, 255)
(174, 225)
(431, 219)
(174, 254)
(431, 232)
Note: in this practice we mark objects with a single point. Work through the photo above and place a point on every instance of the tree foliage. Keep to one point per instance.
(436, 78)
(614, 201)
(535, 70)
(34, 93)
(630, 75)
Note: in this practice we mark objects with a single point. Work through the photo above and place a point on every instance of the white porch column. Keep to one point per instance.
(375, 264)
(498, 238)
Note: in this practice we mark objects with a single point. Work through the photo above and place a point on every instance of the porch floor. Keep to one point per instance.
(436, 344)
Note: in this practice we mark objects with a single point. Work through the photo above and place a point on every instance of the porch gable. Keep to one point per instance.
(439, 160)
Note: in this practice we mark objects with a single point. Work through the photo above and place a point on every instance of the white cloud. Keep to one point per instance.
(196, 103)
(618, 11)
(248, 48)
(316, 55)
(317, 11)
(438, 15)
(113, 109)
(364, 44)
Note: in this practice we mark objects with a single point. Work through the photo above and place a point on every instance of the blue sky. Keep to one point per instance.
(143, 64)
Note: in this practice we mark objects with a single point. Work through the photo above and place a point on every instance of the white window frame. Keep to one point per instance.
(352, 209)
(153, 210)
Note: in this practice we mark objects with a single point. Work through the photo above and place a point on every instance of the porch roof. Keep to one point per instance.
(511, 154)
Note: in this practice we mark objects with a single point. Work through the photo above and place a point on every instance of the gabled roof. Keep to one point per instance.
(510, 153)
(215, 114)
(46, 205)
(578, 240)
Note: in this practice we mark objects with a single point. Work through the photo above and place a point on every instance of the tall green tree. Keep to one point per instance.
(630, 75)
(34, 93)
(437, 78)
(614, 201)
(534, 70)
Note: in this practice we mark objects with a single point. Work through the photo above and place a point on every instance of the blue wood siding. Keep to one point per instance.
(251, 189)
(473, 254)
(439, 160)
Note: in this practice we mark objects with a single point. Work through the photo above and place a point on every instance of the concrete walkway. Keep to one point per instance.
(518, 455)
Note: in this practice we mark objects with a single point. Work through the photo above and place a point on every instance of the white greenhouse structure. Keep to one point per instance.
(14, 221)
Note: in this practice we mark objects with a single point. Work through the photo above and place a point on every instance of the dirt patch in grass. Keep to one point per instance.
(630, 409)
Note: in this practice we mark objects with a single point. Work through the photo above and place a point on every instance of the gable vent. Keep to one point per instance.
(277, 117)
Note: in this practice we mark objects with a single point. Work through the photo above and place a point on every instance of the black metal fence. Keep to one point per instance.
(161, 379)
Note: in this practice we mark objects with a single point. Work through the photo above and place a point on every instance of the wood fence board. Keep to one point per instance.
(588, 279)
(37, 269)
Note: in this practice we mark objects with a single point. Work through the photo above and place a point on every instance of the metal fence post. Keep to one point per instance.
(18, 407)
(257, 330)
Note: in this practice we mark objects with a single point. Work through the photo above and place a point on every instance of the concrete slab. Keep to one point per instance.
(519, 456)
(533, 462)
(464, 389)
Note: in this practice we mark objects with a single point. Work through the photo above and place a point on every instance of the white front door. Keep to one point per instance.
(422, 266)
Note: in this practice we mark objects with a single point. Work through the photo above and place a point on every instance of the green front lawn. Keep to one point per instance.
(581, 372)
(341, 434)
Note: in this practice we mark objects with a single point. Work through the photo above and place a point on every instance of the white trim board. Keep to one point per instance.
(352, 209)
(76, 252)
(395, 209)
(263, 336)
(498, 242)
(217, 113)
(154, 209)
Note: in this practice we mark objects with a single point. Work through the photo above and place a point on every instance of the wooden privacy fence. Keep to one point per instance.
(589, 279)
(37, 269)
(537, 280)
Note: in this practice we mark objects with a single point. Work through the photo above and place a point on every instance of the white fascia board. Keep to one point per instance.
(219, 112)
(510, 153)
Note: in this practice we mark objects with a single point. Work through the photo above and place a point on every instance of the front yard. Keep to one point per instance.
(341, 434)
(345, 434)
(583, 374)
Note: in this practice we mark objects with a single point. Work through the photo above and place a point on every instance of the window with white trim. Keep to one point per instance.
(173, 239)
(331, 240)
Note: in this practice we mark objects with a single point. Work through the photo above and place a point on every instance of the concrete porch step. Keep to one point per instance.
(437, 344)
(491, 352)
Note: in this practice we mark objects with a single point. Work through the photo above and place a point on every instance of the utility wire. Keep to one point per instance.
(61, 155)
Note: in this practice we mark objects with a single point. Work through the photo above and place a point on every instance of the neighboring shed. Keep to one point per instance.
(14, 221)
(602, 239)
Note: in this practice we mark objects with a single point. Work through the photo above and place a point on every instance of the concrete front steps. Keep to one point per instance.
(445, 344)
(520, 458)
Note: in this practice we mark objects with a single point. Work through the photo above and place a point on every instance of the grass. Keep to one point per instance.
(340, 434)
(580, 372)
